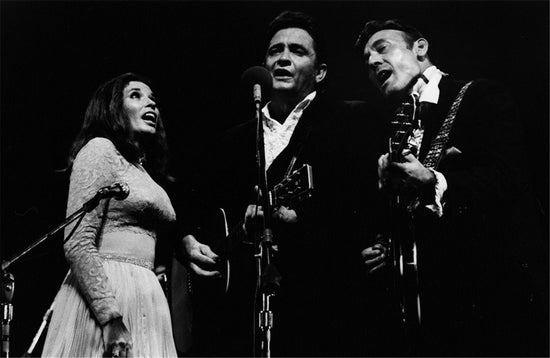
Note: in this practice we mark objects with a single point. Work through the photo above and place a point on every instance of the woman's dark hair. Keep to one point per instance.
(106, 117)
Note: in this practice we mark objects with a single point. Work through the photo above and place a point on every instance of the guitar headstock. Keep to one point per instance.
(295, 188)
(403, 124)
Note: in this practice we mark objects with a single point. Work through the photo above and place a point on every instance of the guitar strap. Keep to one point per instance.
(438, 143)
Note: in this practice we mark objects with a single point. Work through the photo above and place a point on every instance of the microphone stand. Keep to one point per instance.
(268, 275)
(8, 281)
(8, 286)
(38, 334)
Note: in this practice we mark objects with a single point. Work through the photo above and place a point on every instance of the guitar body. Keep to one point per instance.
(196, 301)
(406, 281)
(200, 304)
(213, 231)
(406, 211)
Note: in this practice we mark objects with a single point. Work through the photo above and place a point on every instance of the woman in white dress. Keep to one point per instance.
(111, 303)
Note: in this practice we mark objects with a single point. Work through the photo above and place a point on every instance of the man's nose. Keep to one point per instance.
(284, 58)
(374, 59)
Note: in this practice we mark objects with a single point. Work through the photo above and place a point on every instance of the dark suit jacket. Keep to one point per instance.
(317, 309)
(480, 263)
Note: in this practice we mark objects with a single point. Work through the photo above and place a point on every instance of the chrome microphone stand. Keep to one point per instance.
(268, 275)
(43, 324)
(8, 286)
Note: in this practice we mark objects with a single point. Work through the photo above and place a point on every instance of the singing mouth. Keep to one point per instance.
(150, 118)
(383, 75)
(280, 72)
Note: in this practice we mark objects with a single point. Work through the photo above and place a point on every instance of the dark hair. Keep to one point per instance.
(372, 27)
(288, 19)
(106, 117)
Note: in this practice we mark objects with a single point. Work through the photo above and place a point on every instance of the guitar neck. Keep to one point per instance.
(404, 122)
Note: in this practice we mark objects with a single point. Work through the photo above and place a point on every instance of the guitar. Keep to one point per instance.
(195, 301)
(214, 231)
(402, 241)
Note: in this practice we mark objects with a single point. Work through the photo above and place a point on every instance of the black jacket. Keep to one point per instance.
(482, 265)
(318, 307)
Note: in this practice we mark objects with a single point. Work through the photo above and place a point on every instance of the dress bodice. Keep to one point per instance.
(115, 228)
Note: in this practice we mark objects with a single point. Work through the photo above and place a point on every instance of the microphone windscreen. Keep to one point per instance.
(123, 192)
(257, 75)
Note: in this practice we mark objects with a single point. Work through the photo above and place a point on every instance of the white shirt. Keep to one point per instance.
(277, 135)
(429, 92)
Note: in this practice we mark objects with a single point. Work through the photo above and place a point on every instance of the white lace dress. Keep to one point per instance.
(111, 255)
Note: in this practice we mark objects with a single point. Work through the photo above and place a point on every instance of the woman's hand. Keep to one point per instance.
(117, 339)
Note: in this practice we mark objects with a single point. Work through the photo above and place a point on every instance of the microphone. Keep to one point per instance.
(259, 79)
(119, 191)
(8, 286)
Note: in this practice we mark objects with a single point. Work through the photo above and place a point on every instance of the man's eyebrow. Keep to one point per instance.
(296, 45)
(378, 42)
(275, 44)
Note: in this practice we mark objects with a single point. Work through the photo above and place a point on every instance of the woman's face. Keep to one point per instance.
(140, 107)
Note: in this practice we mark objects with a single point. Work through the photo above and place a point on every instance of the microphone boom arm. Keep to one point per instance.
(117, 190)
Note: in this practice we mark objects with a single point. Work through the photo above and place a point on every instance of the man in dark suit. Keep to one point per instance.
(317, 309)
(476, 226)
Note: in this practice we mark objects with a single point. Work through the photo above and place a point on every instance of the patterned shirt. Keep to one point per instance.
(277, 135)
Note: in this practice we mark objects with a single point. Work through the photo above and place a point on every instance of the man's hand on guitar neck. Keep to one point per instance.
(254, 214)
(410, 173)
(202, 260)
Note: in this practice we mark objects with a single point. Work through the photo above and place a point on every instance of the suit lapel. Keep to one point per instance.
(307, 121)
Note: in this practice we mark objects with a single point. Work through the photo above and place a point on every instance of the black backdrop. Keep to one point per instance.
(54, 54)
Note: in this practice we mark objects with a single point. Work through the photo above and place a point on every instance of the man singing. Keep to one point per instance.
(476, 223)
(317, 310)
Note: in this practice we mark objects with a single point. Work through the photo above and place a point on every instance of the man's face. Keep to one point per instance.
(392, 65)
(291, 60)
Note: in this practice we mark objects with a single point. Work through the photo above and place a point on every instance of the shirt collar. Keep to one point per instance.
(296, 111)
(429, 91)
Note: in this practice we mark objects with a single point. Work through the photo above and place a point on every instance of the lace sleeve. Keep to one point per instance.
(94, 167)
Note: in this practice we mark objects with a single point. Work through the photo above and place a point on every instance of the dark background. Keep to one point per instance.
(54, 54)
